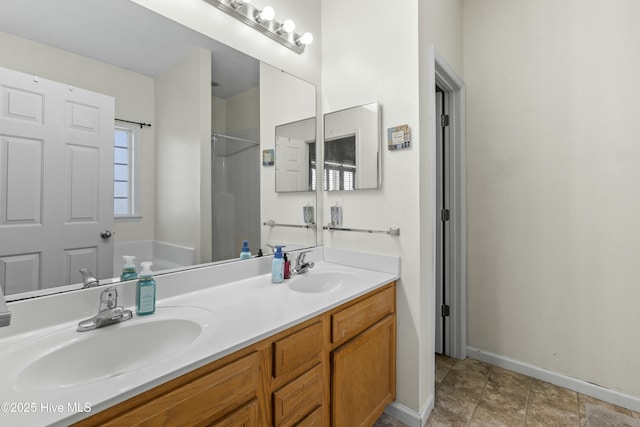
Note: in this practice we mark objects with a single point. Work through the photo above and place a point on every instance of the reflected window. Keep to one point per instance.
(312, 165)
(123, 172)
(340, 163)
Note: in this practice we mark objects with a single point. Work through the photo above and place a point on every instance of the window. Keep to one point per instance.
(123, 172)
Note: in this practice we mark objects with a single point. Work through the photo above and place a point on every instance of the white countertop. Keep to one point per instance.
(239, 313)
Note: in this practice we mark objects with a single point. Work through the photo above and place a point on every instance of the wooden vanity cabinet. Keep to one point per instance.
(335, 369)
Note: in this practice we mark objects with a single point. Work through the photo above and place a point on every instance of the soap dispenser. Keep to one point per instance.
(245, 253)
(277, 266)
(146, 291)
(129, 269)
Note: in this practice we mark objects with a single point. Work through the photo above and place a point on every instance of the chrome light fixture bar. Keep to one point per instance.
(262, 21)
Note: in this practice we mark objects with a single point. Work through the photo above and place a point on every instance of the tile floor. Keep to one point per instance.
(473, 393)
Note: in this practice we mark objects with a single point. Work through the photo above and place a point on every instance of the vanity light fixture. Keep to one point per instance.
(264, 22)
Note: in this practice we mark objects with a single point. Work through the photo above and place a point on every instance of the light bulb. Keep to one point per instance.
(306, 38)
(287, 27)
(267, 14)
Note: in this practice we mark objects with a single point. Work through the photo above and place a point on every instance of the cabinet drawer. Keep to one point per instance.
(314, 419)
(298, 399)
(355, 319)
(202, 401)
(296, 350)
(246, 416)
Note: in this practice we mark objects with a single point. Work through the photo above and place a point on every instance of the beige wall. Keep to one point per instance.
(553, 195)
(441, 26)
(239, 113)
(134, 100)
(218, 114)
(243, 111)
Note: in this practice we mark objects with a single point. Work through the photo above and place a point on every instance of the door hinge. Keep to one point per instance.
(444, 120)
(444, 215)
(444, 310)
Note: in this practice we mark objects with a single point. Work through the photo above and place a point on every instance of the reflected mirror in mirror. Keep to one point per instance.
(352, 149)
(182, 192)
(296, 156)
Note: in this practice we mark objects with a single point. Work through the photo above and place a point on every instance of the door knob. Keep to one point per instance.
(106, 234)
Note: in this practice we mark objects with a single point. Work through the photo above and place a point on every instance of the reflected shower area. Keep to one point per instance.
(235, 155)
(236, 194)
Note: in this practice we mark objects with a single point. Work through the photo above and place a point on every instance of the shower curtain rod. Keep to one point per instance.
(214, 134)
(135, 123)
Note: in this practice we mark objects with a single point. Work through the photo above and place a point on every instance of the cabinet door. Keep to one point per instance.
(363, 376)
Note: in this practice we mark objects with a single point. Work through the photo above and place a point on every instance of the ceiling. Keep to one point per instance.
(127, 35)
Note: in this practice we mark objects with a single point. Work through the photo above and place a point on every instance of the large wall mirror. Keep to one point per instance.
(185, 191)
(351, 159)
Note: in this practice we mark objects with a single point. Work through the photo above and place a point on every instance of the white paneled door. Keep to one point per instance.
(292, 165)
(56, 183)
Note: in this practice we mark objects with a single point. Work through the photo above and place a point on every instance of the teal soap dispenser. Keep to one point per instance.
(129, 269)
(245, 253)
(277, 266)
(146, 291)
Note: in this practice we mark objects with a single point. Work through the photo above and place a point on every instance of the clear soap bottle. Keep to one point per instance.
(277, 266)
(129, 269)
(146, 291)
(245, 253)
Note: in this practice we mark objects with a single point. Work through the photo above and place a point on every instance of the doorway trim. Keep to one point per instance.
(453, 85)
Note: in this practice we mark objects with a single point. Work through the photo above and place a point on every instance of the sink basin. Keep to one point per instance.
(321, 281)
(66, 359)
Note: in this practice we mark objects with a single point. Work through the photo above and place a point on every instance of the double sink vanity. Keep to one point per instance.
(225, 347)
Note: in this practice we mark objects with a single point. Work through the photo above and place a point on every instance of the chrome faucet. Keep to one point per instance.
(108, 313)
(302, 265)
(89, 279)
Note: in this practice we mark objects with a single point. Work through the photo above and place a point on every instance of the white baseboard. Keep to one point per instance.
(593, 390)
(408, 416)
